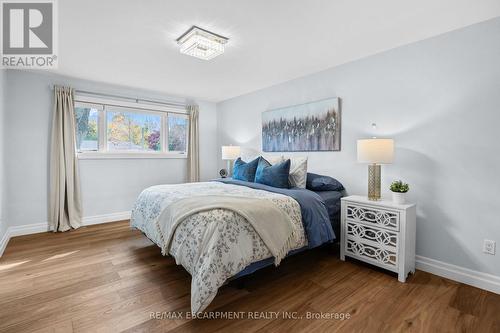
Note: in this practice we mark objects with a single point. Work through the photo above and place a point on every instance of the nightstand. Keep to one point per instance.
(380, 233)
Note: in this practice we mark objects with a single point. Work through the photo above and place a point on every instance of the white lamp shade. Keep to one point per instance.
(378, 151)
(230, 152)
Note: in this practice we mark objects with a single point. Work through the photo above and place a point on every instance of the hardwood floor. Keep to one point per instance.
(107, 278)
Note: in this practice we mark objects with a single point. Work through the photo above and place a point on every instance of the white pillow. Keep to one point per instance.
(273, 159)
(248, 154)
(298, 171)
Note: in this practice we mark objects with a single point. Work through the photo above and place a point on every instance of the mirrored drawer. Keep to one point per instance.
(373, 216)
(376, 236)
(384, 257)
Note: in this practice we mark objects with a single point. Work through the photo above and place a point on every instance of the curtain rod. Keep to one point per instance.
(135, 99)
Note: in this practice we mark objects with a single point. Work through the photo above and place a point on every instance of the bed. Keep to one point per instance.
(218, 244)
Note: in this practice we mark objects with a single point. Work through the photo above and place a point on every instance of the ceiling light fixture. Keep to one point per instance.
(201, 43)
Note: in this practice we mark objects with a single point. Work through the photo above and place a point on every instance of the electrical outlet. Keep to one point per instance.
(489, 246)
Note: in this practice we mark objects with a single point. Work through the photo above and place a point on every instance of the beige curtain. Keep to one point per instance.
(65, 210)
(193, 161)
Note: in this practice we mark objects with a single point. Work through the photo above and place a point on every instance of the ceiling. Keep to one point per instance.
(132, 43)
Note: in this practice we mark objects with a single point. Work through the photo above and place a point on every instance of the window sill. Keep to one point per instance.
(105, 156)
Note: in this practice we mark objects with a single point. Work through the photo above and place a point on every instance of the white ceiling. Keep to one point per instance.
(132, 43)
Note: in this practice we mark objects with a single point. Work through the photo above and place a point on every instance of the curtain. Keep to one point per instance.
(65, 210)
(193, 161)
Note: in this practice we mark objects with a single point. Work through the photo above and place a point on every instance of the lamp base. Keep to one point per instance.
(230, 168)
(374, 182)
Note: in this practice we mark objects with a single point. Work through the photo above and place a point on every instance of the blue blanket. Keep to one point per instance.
(315, 217)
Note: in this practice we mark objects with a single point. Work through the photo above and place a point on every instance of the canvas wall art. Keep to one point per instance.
(312, 126)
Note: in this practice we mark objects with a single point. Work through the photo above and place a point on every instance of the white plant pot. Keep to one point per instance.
(398, 198)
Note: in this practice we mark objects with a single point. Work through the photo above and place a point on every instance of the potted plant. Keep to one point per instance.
(399, 190)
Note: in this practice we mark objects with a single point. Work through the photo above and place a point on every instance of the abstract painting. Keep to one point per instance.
(312, 126)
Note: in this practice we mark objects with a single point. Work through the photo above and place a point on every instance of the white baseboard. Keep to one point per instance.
(35, 228)
(105, 218)
(3, 241)
(28, 229)
(460, 274)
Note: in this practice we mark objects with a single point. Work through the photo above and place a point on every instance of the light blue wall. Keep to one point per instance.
(108, 186)
(3, 224)
(440, 100)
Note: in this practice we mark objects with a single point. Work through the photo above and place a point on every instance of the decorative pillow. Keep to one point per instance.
(245, 171)
(322, 183)
(298, 172)
(273, 175)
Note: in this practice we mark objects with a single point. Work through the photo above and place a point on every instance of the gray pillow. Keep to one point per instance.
(298, 172)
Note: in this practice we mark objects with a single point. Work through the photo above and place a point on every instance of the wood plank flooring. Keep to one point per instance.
(108, 278)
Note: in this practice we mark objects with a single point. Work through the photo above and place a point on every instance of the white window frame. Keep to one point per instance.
(104, 105)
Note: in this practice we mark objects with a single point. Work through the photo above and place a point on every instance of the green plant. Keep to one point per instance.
(399, 186)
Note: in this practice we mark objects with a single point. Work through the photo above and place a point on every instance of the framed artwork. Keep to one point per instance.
(313, 126)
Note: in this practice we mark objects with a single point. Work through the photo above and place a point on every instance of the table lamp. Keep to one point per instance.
(375, 152)
(230, 153)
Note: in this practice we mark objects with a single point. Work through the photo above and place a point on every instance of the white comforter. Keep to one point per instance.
(213, 245)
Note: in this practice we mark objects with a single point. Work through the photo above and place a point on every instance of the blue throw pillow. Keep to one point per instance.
(273, 175)
(245, 171)
(322, 183)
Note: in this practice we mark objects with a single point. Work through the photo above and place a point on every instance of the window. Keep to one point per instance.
(86, 127)
(121, 129)
(133, 131)
(177, 133)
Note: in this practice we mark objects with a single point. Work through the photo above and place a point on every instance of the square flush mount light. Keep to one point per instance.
(201, 43)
